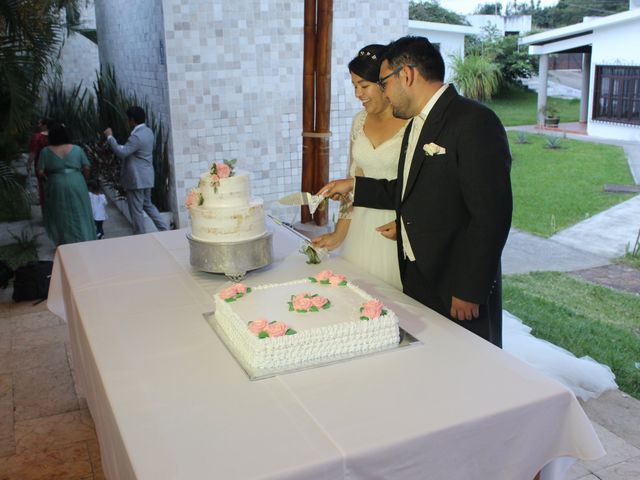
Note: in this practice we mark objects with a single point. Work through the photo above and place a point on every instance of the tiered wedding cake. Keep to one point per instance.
(221, 207)
(303, 322)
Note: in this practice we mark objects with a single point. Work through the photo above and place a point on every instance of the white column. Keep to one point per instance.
(584, 93)
(543, 73)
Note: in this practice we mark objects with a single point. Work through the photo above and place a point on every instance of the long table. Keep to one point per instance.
(170, 402)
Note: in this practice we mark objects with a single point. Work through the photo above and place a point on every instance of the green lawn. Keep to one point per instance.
(516, 106)
(583, 318)
(556, 188)
(630, 260)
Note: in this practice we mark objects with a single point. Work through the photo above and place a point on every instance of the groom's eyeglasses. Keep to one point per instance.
(383, 80)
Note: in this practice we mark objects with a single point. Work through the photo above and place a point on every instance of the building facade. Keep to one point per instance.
(226, 78)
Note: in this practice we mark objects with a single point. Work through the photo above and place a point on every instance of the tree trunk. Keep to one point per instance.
(316, 100)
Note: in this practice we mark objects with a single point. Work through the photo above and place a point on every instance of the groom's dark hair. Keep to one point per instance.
(419, 52)
(136, 114)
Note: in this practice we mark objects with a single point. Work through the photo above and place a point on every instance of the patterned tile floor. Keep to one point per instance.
(46, 431)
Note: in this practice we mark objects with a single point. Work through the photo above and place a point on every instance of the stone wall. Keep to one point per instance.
(228, 75)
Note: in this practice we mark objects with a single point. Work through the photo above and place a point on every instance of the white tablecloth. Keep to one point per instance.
(170, 402)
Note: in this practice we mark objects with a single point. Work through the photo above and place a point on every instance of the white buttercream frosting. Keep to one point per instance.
(336, 332)
(227, 213)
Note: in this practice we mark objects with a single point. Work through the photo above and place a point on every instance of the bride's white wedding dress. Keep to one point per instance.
(585, 377)
(363, 246)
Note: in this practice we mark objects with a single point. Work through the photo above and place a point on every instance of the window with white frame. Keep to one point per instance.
(617, 94)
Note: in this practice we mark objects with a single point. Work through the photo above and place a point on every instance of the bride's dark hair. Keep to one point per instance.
(366, 63)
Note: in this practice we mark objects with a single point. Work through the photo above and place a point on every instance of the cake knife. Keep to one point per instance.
(290, 228)
(303, 198)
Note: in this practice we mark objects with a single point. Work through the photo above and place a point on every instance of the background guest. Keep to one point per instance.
(38, 141)
(98, 204)
(136, 174)
(67, 210)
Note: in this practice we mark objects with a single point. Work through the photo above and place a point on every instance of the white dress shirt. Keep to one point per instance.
(414, 135)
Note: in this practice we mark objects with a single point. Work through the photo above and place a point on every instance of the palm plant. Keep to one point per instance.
(31, 33)
(476, 76)
(87, 113)
(15, 201)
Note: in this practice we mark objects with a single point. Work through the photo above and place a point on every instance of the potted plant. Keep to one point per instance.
(551, 118)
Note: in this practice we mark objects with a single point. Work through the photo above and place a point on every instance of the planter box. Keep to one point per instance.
(551, 122)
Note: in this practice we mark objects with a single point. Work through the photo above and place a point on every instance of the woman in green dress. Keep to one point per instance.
(67, 209)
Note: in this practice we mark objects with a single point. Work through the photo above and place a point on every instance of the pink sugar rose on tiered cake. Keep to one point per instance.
(220, 170)
(372, 309)
(223, 170)
(193, 198)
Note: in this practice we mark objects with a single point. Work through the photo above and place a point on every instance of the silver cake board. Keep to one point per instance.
(406, 340)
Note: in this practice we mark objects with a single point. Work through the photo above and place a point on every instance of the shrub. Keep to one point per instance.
(476, 76)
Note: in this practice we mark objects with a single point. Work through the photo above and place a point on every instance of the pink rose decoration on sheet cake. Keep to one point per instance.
(258, 326)
(304, 302)
(318, 301)
(338, 280)
(372, 309)
(277, 329)
(234, 292)
(324, 275)
(301, 303)
(327, 277)
(263, 329)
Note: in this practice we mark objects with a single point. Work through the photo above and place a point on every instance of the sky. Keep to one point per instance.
(466, 7)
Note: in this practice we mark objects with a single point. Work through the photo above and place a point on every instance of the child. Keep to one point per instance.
(98, 204)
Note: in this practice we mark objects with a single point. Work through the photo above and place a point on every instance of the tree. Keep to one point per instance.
(568, 12)
(431, 11)
(513, 62)
(31, 33)
(494, 8)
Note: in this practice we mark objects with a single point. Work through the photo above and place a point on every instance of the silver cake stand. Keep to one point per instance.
(233, 259)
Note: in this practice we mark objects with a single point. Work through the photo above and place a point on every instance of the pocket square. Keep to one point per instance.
(431, 149)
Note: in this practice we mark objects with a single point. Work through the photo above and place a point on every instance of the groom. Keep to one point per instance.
(452, 195)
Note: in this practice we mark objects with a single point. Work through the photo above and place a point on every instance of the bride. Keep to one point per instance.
(374, 150)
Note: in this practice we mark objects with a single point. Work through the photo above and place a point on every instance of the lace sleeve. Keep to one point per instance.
(346, 204)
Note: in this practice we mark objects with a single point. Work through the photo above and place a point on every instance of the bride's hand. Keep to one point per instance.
(330, 241)
(388, 230)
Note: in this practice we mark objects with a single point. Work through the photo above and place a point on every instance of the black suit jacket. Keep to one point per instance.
(456, 208)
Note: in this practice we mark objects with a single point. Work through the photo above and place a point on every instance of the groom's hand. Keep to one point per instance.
(388, 230)
(462, 310)
(337, 188)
